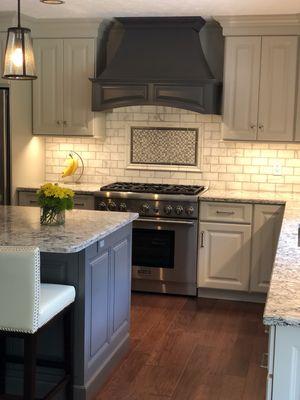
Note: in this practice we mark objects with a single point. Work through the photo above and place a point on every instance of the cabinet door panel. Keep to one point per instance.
(121, 285)
(241, 85)
(266, 230)
(79, 59)
(297, 130)
(286, 382)
(48, 88)
(224, 259)
(278, 88)
(99, 284)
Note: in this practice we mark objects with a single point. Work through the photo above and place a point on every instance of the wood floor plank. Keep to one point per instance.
(191, 349)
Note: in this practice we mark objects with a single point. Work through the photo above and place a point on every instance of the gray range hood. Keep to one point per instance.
(159, 61)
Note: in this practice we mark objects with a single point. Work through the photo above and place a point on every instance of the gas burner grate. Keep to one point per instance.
(153, 188)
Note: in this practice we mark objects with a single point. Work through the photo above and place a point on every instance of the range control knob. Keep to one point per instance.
(102, 206)
(145, 208)
(179, 210)
(190, 210)
(123, 207)
(168, 209)
(112, 206)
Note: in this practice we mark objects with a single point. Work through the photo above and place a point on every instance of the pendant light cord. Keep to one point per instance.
(19, 13)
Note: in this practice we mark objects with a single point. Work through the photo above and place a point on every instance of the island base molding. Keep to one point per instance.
(94, 385)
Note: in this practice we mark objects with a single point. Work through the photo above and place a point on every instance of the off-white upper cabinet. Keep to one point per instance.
(297, 133)
(260, 80)
(266, 229)
(62, 92)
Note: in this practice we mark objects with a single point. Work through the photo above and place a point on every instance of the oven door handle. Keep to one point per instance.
(166, 221)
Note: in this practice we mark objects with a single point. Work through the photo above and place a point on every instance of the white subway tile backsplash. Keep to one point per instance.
(225, 165)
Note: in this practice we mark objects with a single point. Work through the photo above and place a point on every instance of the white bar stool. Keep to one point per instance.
(27, 307)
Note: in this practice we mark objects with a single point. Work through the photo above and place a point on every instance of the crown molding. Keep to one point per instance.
(53, 28)
(286, 24)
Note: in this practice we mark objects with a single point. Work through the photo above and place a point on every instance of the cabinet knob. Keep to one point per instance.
(261, 127)
(252, 126)
(65, 123)
(57, 122)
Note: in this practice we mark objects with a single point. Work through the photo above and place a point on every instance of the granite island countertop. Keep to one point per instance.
(20, 226)
(283, 300)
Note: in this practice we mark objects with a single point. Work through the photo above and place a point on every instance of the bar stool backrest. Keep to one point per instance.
(19, 289)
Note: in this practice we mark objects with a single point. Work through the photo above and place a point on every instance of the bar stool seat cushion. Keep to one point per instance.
(54, 299)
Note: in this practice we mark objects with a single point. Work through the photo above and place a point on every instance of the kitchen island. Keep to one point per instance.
(92, 252)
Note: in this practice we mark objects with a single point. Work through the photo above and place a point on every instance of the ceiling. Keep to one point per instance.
(111, 8)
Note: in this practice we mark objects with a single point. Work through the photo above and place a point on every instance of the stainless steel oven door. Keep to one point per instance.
(164, 255)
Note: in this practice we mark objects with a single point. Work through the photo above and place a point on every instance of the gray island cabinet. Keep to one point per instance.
(92, 252)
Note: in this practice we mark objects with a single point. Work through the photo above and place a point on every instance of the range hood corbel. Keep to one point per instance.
(158, 62)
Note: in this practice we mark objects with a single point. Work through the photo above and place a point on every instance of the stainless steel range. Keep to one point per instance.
(164, 251)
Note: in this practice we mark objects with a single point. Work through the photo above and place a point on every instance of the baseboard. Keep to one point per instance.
(232, 295)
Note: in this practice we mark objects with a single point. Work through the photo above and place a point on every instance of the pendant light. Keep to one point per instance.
(19, 63)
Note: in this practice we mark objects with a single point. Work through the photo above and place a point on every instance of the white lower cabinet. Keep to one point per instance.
(237, 245)
(224, 256)
(266, 229)
(284, 379)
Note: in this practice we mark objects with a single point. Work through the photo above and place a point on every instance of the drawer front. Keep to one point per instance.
(28, 199)
(81, 201)
(84, 202)
(226, 212)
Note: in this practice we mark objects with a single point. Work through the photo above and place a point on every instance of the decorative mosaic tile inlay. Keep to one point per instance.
(164, 146)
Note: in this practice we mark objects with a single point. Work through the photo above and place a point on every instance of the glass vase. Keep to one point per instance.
(52, 217)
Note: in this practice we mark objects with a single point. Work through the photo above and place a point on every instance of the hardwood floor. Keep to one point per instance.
(191, 349)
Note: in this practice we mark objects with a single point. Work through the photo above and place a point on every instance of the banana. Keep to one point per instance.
(70, 169)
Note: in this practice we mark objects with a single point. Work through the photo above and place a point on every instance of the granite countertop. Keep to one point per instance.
(80, 188)
(236, 196)
(20, 226)
(283, 300)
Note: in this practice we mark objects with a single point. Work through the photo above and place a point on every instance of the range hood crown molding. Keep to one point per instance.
(159, 61)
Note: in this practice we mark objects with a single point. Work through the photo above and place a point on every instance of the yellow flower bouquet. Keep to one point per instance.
(54, 200)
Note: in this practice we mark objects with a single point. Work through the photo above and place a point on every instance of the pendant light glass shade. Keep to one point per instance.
(19, 60)
(19, 63)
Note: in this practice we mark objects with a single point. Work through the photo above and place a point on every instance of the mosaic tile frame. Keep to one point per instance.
(186, 126)
(164, 146)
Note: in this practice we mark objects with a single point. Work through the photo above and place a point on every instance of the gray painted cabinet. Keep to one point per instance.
(101, 275)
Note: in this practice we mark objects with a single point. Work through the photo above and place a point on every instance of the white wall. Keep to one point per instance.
(27, 151)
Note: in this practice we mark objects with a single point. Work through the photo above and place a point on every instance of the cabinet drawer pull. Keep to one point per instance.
(264, 361)
(202, 239)
(225, 212)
